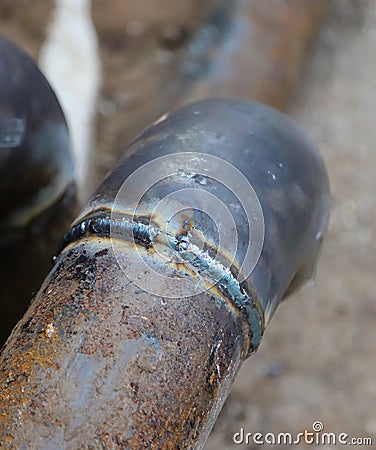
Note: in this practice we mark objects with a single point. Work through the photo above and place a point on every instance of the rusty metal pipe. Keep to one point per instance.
(165, 283)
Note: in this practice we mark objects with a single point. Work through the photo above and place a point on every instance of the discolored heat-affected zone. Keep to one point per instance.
(96, 351)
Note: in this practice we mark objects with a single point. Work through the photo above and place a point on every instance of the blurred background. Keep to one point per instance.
(312, 58)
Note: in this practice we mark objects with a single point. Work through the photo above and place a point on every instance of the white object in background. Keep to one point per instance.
(70, 60)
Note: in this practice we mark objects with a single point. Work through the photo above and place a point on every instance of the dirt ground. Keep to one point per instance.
(316, 362)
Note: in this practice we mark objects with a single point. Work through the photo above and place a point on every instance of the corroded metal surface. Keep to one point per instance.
(97, 363)
(102, 359)
(37, 198)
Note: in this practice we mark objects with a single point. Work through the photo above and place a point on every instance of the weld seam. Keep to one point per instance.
(105, 226)
(145, 234)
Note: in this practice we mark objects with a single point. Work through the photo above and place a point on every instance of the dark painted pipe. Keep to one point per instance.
(165, 283)
(37, 193)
